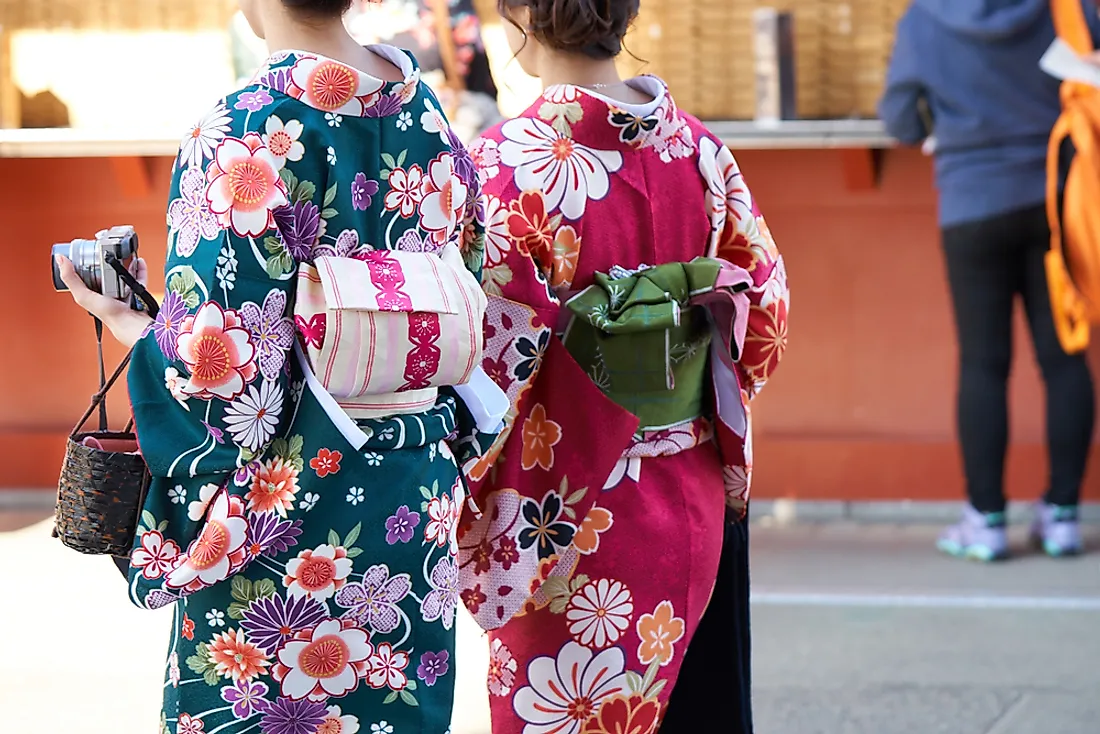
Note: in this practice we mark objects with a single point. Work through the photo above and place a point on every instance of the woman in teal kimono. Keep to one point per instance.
(308, 547)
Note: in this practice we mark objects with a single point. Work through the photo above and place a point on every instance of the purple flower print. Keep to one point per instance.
(464, 164)
(442, 600)
(401, 525)
(388, 105)
(272, 332)
(362, 190)
(167, 326)
(277, 79)
(246, 696)
(217, 433)
(253, 101)
(272, 621)
(298, 227)
(271, 535)
(373, 603)
(433, 666)
(243, 476)
(284, 716)
(189, 216)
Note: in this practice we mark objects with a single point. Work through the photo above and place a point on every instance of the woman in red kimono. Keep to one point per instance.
(637, 303)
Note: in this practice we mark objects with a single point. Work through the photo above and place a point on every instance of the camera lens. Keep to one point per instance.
(85, 257)
(63, 250)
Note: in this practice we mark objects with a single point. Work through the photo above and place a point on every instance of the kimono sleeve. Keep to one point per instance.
(209, 382)
(741, 236)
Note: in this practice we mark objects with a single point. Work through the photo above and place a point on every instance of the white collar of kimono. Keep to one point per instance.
(648, 85)
(409, 71)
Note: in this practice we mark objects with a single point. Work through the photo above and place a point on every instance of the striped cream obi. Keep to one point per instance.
(384, 330)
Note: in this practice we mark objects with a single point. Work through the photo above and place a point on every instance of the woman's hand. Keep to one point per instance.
(127, 325)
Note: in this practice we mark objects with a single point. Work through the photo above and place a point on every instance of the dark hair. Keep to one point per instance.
(318, 8)
(594, 28)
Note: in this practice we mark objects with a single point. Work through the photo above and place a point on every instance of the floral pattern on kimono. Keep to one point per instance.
(591, 549)
(310, 559)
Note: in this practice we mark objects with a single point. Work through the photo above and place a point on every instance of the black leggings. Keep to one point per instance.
(988, 263)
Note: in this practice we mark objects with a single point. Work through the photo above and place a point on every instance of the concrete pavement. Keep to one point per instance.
(857, 630)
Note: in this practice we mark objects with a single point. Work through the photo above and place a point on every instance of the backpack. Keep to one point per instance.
(1073, 262)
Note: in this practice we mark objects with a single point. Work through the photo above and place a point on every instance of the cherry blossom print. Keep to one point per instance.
(333, 87)
(189, 216)
(253, 101)
(434, 121)
(486, 157)
(174, 383)
(441, 514)
(530, 228)
(283, 140)
(272, 331)
(544, 525)
(188, 724)
(337, 722)
(444, 198)
(433, 666)
(187, 628)
(362, 189)
(387, 668)
(324, 662)
(406, 190)
(659, 632)
(373, 603)
(401, 526)
(406, 90)
(246, 696)
(174, 669)
(599, 613)
(244, 186)
(564, 693)
(568, 173)
(563, 265)
(237, 658)
(597, 521)
(204, 137)
(274, 487)
(154, 555)
(208, 558)
(197, 509)
(540, 436)
(326, 462)
(442, 601)
(502, 668)
(625, 714)
(218, 352)
(318, 573)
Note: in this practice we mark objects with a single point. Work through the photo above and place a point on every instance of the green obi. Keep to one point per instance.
(641, 341)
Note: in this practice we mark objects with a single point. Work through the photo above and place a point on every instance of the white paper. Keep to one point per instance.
(1062, 62)
(485, 400)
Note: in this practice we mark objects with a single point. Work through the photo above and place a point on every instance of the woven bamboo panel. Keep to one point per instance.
(173, 15)
(704, 50)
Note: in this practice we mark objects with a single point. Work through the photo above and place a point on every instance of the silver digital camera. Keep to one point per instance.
(91, 258)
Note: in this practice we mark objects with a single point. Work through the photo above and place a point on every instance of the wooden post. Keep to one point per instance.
(11, 113)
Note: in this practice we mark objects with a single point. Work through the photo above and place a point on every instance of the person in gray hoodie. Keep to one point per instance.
(975, 65)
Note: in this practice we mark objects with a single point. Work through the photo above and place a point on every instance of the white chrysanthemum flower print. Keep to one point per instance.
(599, 613)
(199, 144)
(253, 418)
(563, 693)
(569, 174)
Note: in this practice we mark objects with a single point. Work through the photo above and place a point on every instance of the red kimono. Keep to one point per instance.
(592, 542)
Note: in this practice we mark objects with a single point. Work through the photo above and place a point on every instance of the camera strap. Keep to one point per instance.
(102, 373)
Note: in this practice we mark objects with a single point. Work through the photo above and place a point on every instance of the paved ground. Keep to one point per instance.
(858, 630)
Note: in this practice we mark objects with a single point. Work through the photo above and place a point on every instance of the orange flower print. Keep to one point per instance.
(766, 340)
(659, 632)
(540, 436)
(187, 627)
(326, 462)
(530, 228)
(237, 658)
(567, 245)
(587, 539)
(273, 487)
(622, 714)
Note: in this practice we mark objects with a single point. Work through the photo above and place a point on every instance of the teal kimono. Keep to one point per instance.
(310, 556)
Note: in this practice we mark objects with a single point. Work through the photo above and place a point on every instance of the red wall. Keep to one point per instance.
(861, 408)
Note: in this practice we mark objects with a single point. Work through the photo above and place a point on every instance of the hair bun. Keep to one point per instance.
(594, 28)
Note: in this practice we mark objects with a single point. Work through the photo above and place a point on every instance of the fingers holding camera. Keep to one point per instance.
(125, 324)
(140, 271)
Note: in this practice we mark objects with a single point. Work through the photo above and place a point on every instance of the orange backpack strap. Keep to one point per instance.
(1071, 26)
